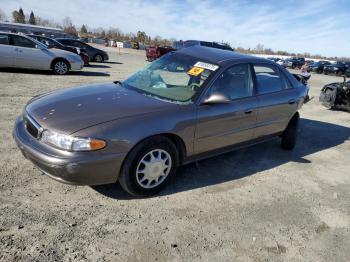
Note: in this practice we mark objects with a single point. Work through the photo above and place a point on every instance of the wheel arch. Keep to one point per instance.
(175, 139)
(98, 53)
(59, 59)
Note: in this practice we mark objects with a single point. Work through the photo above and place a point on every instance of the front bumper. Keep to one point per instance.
(77, 65)
(76, 168)
(105, 57)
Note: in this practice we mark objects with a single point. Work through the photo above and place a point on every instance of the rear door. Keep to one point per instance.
(221, 125)
(28, 55)
(277, 100)
(7, 51)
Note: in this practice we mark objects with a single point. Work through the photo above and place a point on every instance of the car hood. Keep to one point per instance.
(73, 109)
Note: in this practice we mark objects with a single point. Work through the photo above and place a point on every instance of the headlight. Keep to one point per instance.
(71, 143)
(78, 50)
(335, 68)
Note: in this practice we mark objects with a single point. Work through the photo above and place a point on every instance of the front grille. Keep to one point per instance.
(32, 127)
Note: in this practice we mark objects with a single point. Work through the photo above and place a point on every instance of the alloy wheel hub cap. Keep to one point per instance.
(153, 168)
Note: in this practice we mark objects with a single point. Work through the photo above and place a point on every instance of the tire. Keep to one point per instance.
(329, 96)
(98, 58)
(139, 175)
(60, 67)
(289, 135)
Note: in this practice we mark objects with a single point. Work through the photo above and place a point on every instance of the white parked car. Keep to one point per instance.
(19, 51)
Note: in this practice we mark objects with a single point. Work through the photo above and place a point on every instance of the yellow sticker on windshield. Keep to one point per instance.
(195, 71)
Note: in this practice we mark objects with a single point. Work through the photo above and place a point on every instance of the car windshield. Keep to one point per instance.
(174, 77)
(38, 43)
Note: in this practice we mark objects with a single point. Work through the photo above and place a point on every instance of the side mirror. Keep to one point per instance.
(216, 98)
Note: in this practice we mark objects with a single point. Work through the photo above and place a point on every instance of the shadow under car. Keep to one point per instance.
(314, 136)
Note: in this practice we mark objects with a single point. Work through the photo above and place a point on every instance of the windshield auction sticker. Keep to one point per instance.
(208, 66)
(195, 71)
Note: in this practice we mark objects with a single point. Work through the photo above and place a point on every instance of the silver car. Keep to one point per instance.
(19, 51)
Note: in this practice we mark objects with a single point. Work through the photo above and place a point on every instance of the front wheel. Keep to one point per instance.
(60, 67)
(289, 135)
(98, 58)
(149, 167)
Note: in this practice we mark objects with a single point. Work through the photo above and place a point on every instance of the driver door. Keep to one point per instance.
(28, 55)
(226, 124)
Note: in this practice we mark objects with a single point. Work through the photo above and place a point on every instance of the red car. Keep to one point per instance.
(154, 52)
(52, 43)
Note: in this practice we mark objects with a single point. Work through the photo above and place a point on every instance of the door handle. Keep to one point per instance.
(291, 101)
(248, 111)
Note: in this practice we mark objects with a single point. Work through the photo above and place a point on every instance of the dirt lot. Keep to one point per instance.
(256, 204)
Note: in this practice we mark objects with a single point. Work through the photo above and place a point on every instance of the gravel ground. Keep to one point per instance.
(256, 204)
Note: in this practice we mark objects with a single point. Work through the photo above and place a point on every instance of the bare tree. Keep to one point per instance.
(67, 22)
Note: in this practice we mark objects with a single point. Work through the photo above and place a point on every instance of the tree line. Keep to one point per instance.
(18, 16)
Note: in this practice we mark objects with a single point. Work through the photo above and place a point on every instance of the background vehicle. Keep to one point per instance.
(135, 45)
(154, 52)
(176, 110)
(347, 72)
(281, 62)
(338, 68)
(95, 54)
(52, 43)
(177, 45)
(318, 67)
(20, 51)
(336, 95)
(275, 59)
(189, 43)
(295, 62)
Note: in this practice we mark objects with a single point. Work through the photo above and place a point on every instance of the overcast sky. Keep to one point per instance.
(316, 26)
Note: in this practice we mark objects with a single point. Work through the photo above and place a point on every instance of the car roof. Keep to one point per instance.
(218, 56)
(70, 39)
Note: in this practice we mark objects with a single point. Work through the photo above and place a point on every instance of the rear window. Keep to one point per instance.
(268, 79)
(4, 40)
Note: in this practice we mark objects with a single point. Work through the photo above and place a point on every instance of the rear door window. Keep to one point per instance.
(4, 39)
(268, 79)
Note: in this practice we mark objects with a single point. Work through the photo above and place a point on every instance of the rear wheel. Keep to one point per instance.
(98, 58)
(149, 167)
(60, 67)
(289, 135)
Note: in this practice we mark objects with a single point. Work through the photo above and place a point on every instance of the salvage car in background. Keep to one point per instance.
(295, 62)
(19, 51)
(95, 54)
(188, 105)
(318, 67)
(338, 68)
(154, 52)
(347, 72)
(189, 43)
(336, 95)
(52, 43)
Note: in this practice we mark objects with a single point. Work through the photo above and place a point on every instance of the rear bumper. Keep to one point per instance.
(83, 168)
